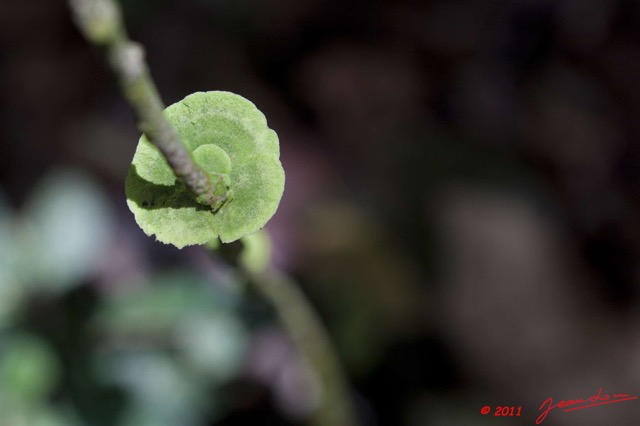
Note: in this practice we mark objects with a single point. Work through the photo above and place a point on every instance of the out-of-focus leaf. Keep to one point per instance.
(36, 415)
(12, 296)
(28, 369)
(69, 227)
(163, 393)
(213, 344)
(168, 345)
(159, 308)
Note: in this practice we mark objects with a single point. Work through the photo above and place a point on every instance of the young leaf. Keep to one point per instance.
(229, 138)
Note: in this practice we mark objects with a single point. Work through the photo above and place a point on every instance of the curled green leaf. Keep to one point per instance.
(229, 138)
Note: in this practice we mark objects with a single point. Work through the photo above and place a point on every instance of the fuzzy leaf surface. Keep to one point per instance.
(229, 138)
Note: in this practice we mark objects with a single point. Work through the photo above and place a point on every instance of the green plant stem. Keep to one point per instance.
(101, 23)
(301, 322)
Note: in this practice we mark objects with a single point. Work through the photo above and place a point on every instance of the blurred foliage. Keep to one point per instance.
(55, 241)
(156, 349)
(169, 347)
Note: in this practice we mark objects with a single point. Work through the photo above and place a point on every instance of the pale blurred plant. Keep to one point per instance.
(46, 250)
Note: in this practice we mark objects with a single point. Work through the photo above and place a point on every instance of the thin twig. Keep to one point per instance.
(299, 318)
(101, 23)
(301, 322)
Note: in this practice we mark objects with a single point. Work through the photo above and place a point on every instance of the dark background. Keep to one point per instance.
(461, 202)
